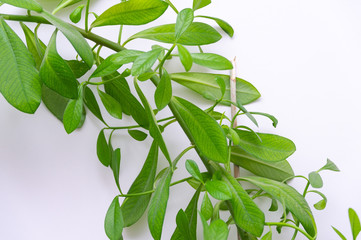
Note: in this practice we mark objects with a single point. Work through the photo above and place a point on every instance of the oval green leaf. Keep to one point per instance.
(92, 104)
(184, 20)
(111, 105)
(75, 16)
(206, 85)
(193, 170)
(55, 103)
(73, 114)
(163, 93)
(219, 190)
(211, 60)
(137, 135)
(145, 61)
(19, 79)
(226, 27)
(185, 57)
(103, 151)
(206, 133)
(354, 222)
(114, 221)
(206, 207)
(315, 179)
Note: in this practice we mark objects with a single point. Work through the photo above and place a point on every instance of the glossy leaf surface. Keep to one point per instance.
(75, 16)
(55, 103)
(208, 136)
(197, 34)
(134, 207)
(27, 4)
(145, 61)
(133, 12)
(137, 135)
(73, 114)
(226, 27)
(185, 57)
(292, 200)
(111, 105)
(193, 170)
(219, 190)
(184, 20)
(56, 74)
(206, 85)
(114, 221)
(211, 60)
(163, 93)
(92, 104)
(103, 150)
(354, 222)
(19, 79)
(271, 147)
(206, 207)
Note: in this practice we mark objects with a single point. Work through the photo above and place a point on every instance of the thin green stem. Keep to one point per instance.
(160, 66)
(172, 6)
(87, 16)
(297, 222)
(181, 181)
(169, 123)
(291, 226)
(120, 34)
(123, 127)
(176, 160)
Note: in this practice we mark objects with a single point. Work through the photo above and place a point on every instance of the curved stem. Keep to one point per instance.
(291, 226)
(172, 6)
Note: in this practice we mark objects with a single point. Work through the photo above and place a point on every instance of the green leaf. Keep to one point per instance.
(197, 4)
(211, 60)
(92, 104)
(56, 74)
(154, 130)
(134, 207)
(222, 24)
(75, 16)
(278, 171)
(145, 76)
(205, 132)
(145, 61)
(114, 221)
(267, 236)
(64, 4)
(191, 213)
(222, 85)
(183, 224)
(19, 79)
(272, 148)
(207, 235)
(35, 46)
(103, 150)
(315, 179)
(111, 105)
(245, 212)
(115, 164)
(271, 117)
(137, 135)
(55, 103)
(207, 207)
(219, 230)
(27, 4)
(158, 205)
(197, 34)
(194, 183)
(320, 205)
(206, 85)
(354, 222)
(185, 57)
(115, 61)
(193, 170)
(118, 88)
(291, 199)
(339, 234)
(219, 190)
(163, 93)
(330, 166)
(133, 12)
(184, 20)
(73, 113)
(79, 68)
(75, 38)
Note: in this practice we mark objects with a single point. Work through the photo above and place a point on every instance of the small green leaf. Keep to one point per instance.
(206, 85)
(223, 24)
(158, 205)
(291, 199)
(64, 4)
(330, 166)
(74, 37)
(114, 221)
(111, 105)
(92, 104)
(137, 135)
(56, 74)
(133, 12)
(103, 151)
(272, 148)
(114, 62)
(315, 180)
(211, 60)
(207, 207)
(79, 68)
(184, 20)
(219, 190)
(354, 222)
(339, 234)
(267, 236)
(19, 79)
(115, 164)
(145, 76)
(219, 230)
(271, 117)
(206, 133)
(73, 113)
(197, 34)
(75, 16)
(222, 85)
(54, 102)
(163, 93)
(320, 205)
(197, 4)
(185, 57)
(193, 170)
(278, 171)
(133, 208)
(27, 4)
(145, 61)
(183, 224)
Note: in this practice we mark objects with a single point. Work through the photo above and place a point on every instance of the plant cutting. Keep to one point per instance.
(34, 71)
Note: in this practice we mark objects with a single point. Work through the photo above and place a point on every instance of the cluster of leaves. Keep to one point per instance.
(36, 72)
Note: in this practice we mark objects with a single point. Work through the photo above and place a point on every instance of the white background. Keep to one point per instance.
(303, 56)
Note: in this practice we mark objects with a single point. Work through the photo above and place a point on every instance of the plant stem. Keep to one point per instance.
(172, 6)
(291, 226)
(87, 16)
(181, 155)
